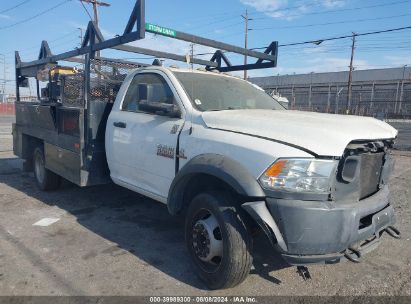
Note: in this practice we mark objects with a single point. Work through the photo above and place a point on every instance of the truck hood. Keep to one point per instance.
(320, 134)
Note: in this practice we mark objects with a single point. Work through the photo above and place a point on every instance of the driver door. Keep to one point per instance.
(148, 156)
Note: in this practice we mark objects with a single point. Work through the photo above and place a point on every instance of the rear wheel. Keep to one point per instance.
(45, 179)
(218, 240)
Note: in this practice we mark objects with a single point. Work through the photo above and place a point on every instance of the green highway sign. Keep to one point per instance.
(160, 30)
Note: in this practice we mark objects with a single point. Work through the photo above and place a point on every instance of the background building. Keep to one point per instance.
(383, 93)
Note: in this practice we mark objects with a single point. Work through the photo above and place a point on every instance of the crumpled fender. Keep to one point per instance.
(219, 166)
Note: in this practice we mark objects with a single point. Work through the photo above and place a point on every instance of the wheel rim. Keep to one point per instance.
(39, 167)
(207, 240)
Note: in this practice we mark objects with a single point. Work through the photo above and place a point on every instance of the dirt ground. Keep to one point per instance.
(110, 241)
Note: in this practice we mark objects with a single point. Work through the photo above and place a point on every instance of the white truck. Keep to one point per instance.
(218, 151)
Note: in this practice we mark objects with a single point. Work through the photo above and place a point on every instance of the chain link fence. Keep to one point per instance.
(384, 100)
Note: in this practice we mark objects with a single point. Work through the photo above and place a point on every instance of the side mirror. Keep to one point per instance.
(149, 104)
(160, 108)
(174, 112)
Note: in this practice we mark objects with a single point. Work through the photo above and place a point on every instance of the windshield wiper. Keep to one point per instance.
(229, 108)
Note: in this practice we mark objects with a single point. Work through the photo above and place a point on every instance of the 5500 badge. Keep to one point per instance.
(167, 151)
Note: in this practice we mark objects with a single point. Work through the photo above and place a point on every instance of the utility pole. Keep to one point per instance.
(81, 35)
(349, 96)
(4, 78)
(96, 4)
(402, 88)
(246, 39)
(81, 42)
(192, 56)
(403, 71)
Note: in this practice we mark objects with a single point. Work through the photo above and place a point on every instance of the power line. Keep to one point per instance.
(34, 16)
(341, 10)
(219, 20)
(95, 4)
(49, 41)
(225, 27)
(304, 6)
(224, 19)
(216, 16)
(318, 41)
(384, 44)
(387, 39)
(291, 56)
(234, 16)
(85, 8)
(13, 7)
(329, 23)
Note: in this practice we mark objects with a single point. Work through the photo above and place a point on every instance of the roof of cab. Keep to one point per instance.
(196, 71)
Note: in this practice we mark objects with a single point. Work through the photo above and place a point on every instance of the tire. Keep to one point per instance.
(218, 240)
(45, 179)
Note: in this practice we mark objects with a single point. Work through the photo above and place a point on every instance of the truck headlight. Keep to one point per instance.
(300, 175)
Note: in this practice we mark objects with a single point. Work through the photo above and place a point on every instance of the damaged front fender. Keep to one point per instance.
(259, 212)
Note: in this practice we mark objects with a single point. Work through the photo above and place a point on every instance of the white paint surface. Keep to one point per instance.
(323, 134)
(47, 221)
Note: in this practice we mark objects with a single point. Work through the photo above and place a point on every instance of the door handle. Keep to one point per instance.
(120, 124)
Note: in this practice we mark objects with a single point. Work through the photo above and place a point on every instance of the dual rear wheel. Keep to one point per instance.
(45, 179)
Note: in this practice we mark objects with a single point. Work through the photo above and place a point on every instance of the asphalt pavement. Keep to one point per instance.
(106, 240)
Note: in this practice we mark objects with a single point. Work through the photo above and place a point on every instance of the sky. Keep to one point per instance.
(287, 21)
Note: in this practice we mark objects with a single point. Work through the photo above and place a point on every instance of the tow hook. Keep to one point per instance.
(352, 255)
(304, 273)
(394, 232)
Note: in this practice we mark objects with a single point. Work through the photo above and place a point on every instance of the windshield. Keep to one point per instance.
(215, 93)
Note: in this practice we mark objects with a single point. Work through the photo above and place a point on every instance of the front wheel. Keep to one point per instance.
(45, 179)
(218, 240)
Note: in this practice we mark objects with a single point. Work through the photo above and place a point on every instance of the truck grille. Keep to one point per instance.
(370, 173)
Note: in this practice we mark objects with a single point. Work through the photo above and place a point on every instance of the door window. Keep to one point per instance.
(147, 87)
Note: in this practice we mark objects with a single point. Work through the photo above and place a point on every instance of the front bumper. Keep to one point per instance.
(307, 232)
